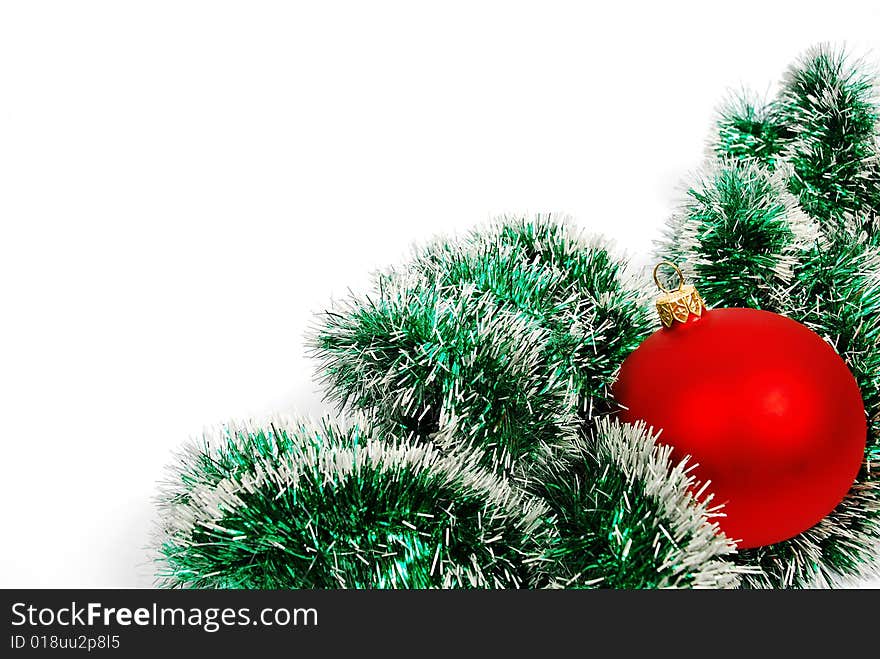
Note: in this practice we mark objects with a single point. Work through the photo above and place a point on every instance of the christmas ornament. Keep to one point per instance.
(766, 408)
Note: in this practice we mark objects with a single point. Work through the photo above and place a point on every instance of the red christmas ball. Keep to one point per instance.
(767, 409)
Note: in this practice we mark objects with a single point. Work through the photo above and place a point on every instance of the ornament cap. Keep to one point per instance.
(677, 305)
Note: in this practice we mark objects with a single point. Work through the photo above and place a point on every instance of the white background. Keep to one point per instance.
(183, 184)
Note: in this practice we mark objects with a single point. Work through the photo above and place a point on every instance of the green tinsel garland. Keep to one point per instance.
(483, 367)
(745, 244)
(741, 235)
(829, 103)
(823, 125)
(749, 129)
(626, 517)
(293, 504)
(594, 307)
(445, 364)
(296, 505)
(502, 340)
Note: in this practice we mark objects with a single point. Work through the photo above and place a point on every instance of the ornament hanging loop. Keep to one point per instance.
(669, 264)
(678, 305)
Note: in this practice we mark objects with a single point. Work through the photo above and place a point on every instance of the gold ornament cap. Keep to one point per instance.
(677, 305)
